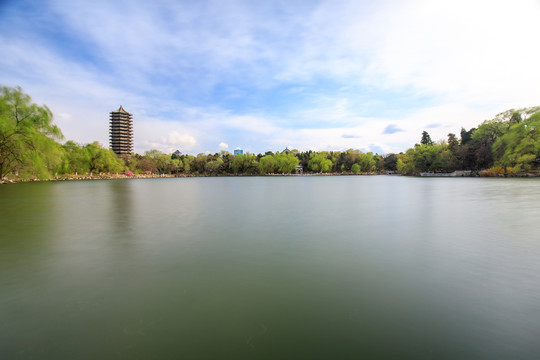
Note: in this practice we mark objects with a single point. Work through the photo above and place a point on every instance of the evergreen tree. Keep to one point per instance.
(426, 139)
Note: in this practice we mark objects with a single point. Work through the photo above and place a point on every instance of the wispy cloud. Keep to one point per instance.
(392, 129)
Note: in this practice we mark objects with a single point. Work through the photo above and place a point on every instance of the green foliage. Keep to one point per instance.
(424, 157)
(348, 158)
(319, 162)
(176, 165)
(516, 117)
(214, 167)
(446, 160)
(27, 134)
(512, 115)
(426, 139)
(245, 163)
(520, 146)
(453, 142)
(92, 158)
(188, 160)
(28, 148)
(197, 166)
(367, 162)
(161, 162)
(286, 163)
(267, 164)
(511, 140)
(102, 160)
(489, 131)
(466, 136)
(405, 163)
(75, 159)
(390, 162)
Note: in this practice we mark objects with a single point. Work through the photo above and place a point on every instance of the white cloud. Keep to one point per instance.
(478, 53)
(185, 140)
(152, 131)
(471, 52)
(223, 146)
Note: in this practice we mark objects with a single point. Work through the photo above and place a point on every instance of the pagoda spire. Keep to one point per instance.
(121, 132)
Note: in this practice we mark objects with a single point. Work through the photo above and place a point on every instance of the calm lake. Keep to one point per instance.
(345, 267)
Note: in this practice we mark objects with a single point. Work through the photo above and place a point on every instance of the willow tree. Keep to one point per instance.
(319, 162)
(267, 164)
(286, 163)
(27, 135)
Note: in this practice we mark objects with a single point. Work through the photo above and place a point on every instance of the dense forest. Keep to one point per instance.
(31, 148)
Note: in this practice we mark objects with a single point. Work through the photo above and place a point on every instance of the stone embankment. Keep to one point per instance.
(457, 173)
(101, 176)
(483, 173)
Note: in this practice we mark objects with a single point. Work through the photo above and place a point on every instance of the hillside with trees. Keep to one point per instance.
(507, 144)
(31, 148)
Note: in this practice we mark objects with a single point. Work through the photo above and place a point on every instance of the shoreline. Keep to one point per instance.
(104, 176)
(155, 176)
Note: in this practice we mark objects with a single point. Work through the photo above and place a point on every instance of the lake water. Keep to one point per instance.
(343, 267)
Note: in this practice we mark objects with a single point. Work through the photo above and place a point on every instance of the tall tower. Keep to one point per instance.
(121, 132)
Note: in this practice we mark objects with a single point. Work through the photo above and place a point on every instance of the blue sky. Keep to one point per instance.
(202, 76)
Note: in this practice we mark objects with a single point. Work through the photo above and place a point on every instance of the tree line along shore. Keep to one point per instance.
(31, 148)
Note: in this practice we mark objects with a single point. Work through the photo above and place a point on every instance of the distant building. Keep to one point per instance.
(238, 152)
(299, 169)
(121, 132)
(287, 150)
(177, 153)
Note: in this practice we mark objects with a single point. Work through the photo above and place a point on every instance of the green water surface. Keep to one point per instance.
(377, 267)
